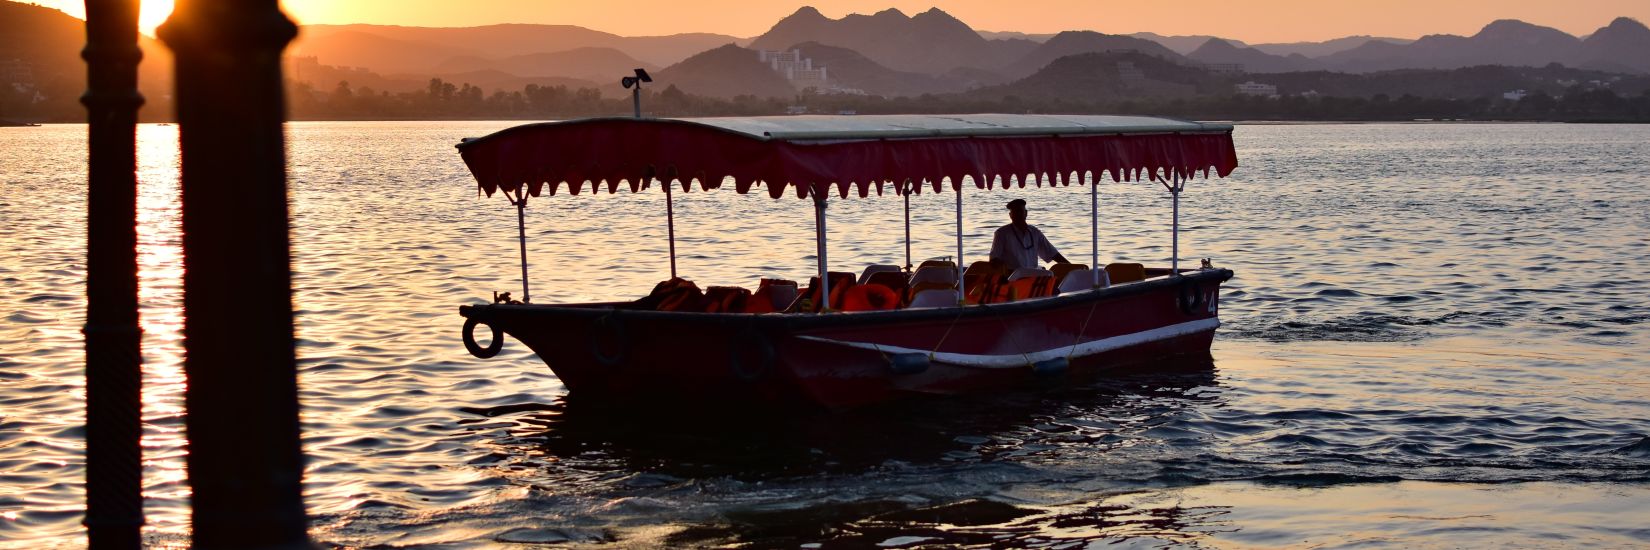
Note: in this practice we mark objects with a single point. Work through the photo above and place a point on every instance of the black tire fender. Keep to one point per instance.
(609, 326)
(750, 355)
(475, 349)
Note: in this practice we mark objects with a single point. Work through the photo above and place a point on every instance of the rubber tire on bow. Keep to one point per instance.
(1190, 297)
(753, 340)
(475, 349)
(609, 325)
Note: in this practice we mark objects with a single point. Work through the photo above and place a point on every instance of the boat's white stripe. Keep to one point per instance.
(1024, 359)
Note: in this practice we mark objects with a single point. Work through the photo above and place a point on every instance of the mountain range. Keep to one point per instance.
(885, 53)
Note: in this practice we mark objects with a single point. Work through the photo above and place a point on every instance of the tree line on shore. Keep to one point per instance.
(446, 100)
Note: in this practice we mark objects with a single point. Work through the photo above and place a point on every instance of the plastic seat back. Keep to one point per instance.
(874, 269)
(937, 263)
(1061, 270)
(771, 295)
(1027, 272)
(894, 280)
(935, 274)
(933, 298)
(1083, 279)
(1125, 273)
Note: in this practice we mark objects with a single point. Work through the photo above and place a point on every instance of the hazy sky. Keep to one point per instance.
(1248, 20)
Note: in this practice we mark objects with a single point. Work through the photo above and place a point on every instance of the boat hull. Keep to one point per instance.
(605, 353)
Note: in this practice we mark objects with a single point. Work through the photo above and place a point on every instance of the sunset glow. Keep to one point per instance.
(1248, 20)
(152, 14)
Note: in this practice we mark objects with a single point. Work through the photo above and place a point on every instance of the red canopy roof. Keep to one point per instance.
(860, 152)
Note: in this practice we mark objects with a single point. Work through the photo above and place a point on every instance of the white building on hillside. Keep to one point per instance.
(800, 71)
(1255, 88)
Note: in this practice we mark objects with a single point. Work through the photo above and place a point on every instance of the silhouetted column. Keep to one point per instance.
(114, 420)
(245, 466)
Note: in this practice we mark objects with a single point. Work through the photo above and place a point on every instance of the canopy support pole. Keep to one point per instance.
(1174, 247)
(1094, 230)
(670, 225)
(819, 241)
(962, 291)
(521, 230)
(905, 189)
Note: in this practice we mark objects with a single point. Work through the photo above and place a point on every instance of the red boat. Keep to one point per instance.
(842, 341)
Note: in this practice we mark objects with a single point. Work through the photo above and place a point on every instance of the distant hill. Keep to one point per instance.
(1625, 44)
(1090, 77)
(1327, 47)
(376, 52)
(1183, 45)
(1076, 42)
(48, 43)
(584, 63)
(1010, 35)
(495, 41)
(850, 69)
(725, 72)
(931, 42)
(1253, 60)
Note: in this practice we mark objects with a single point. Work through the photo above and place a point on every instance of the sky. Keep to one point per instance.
(1254, 21)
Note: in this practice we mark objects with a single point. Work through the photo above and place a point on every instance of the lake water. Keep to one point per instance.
(1437, 336)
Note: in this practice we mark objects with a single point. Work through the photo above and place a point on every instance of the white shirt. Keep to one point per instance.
(1016, 248)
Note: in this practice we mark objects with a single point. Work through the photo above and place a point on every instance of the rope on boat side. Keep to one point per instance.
(946, 335)
(1078, 339)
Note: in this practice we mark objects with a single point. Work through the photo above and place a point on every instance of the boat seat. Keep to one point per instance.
(874, 269)
(1120, 273)
(1082, 279)
(1060, 270)
(933, 297)
(935, 274)
(771, 295)
(1025, 272)
(981, 274)
(896, 281)
(1025, 288)
(726, 299)
(937, 263)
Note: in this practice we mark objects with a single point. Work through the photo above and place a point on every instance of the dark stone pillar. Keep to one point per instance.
(245, 465)
(114, 423)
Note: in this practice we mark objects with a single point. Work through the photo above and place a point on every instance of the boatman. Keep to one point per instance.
(1020, 244)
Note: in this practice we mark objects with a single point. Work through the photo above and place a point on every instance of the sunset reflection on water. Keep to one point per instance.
(1417, 355)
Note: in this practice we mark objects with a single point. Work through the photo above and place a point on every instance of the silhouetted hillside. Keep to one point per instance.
(47, 43)
(1183, 45)
(351, 48)
(1076, 42)
(583, 63)
(1326, 47)
(1253, 60)
(1623, 45)
(497, 41)
(1090, 77)
(849, 69)
(931, 42)
(725, 72)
